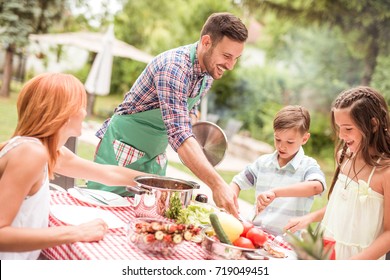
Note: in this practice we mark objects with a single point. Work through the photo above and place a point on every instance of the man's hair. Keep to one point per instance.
(219, 25)
(293, 116)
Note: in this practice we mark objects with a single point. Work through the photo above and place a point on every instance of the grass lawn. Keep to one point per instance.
(8, 117)
(248, 195)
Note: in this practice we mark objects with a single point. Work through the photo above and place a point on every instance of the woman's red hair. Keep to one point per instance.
(44, 105)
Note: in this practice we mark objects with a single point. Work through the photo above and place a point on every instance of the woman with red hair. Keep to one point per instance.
(51, 108)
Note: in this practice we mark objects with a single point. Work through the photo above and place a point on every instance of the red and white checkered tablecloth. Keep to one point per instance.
(114, 246)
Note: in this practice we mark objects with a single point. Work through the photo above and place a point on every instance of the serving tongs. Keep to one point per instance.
(255, 255)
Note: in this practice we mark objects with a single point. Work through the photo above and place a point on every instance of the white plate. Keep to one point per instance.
(114, 200)
(75, 215)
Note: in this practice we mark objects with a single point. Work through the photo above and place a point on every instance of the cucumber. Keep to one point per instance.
(218, 229)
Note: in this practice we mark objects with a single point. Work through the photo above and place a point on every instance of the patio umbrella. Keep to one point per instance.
(99, 77)
(92, 41)
(106, 46)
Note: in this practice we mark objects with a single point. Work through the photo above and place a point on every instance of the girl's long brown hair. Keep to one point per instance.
(338, 168)
(369, 111)
(44, 105)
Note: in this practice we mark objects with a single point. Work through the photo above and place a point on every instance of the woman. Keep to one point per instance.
(51, 108)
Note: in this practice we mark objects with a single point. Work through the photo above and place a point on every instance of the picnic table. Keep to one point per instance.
(115, 244)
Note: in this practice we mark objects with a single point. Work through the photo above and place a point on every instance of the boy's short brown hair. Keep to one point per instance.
(293, 116)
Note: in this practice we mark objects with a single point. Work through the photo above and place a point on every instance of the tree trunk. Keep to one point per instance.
(90, 103)
(7, 72)
(371, 57)
(20, 68)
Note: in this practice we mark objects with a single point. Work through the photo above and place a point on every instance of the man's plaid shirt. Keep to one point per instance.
(166, 83)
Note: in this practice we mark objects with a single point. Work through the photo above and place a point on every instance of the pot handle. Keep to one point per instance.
(136, 189)
(195, 185)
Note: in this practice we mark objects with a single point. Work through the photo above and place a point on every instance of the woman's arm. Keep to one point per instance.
(22, 175)
(71, 165)
(28, 239)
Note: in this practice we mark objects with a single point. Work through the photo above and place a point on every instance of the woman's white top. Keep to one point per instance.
(354, 216)
(34, 211)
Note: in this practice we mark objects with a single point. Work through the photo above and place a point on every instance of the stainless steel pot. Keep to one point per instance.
(153, 194)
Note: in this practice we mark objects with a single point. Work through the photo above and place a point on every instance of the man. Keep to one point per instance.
(157, 110)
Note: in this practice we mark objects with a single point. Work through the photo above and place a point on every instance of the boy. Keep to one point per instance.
(286, 180)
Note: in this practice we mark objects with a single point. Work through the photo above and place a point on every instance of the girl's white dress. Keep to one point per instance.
(34, 211)
(354, 216)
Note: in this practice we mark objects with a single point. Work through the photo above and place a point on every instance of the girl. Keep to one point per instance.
(51, 108)
(357, 216)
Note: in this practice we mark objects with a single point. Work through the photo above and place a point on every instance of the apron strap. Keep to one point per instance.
(192, 57)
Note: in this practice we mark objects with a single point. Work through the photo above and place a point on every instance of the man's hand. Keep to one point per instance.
(226, 198)
(193, 157)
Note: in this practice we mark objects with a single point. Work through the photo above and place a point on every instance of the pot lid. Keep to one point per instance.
(212, 140)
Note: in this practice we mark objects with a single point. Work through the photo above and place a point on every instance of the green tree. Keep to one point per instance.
(365, 24)
(381, 80)
(156, 26)
(18, 19)
(319, 62)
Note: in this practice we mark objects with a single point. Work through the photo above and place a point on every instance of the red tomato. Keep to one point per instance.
(243, 242)
(257, 236)
(247, 227)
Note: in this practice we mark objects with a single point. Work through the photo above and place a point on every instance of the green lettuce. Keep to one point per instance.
(195, 214)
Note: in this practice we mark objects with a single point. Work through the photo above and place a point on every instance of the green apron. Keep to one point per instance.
(137, 141)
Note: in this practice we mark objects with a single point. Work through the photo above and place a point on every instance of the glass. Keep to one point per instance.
(329, 244)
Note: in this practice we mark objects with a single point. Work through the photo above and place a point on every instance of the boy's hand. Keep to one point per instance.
(263, 200)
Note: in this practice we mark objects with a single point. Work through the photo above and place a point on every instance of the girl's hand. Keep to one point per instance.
(263, 200)
(303, 222)
(298, 223)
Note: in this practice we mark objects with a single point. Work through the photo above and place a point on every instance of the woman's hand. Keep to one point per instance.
(93, 230)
